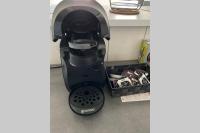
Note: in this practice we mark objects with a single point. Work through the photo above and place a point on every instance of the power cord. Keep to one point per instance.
(55, 66)
(145, 33)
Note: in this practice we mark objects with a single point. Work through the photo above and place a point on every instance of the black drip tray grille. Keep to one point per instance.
(86, 100)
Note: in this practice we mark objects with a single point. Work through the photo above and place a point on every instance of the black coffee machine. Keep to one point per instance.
(82, 26)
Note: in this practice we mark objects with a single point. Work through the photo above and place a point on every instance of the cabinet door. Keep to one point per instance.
(54, 52)
(125, 43)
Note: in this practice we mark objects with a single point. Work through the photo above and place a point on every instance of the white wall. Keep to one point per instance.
(55, 53)
(124, 44)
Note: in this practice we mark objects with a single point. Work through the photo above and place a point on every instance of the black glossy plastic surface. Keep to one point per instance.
(86, 100)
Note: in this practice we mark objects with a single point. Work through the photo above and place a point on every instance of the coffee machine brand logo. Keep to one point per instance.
(87, 110)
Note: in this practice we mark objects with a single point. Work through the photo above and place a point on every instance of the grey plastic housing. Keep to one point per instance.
(66, 7)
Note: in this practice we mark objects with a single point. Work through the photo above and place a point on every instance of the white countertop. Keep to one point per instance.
(142, 19)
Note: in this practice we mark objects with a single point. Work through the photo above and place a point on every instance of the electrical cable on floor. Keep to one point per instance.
(55, 66)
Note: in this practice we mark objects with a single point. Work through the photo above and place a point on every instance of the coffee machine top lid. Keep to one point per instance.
(79, 16)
